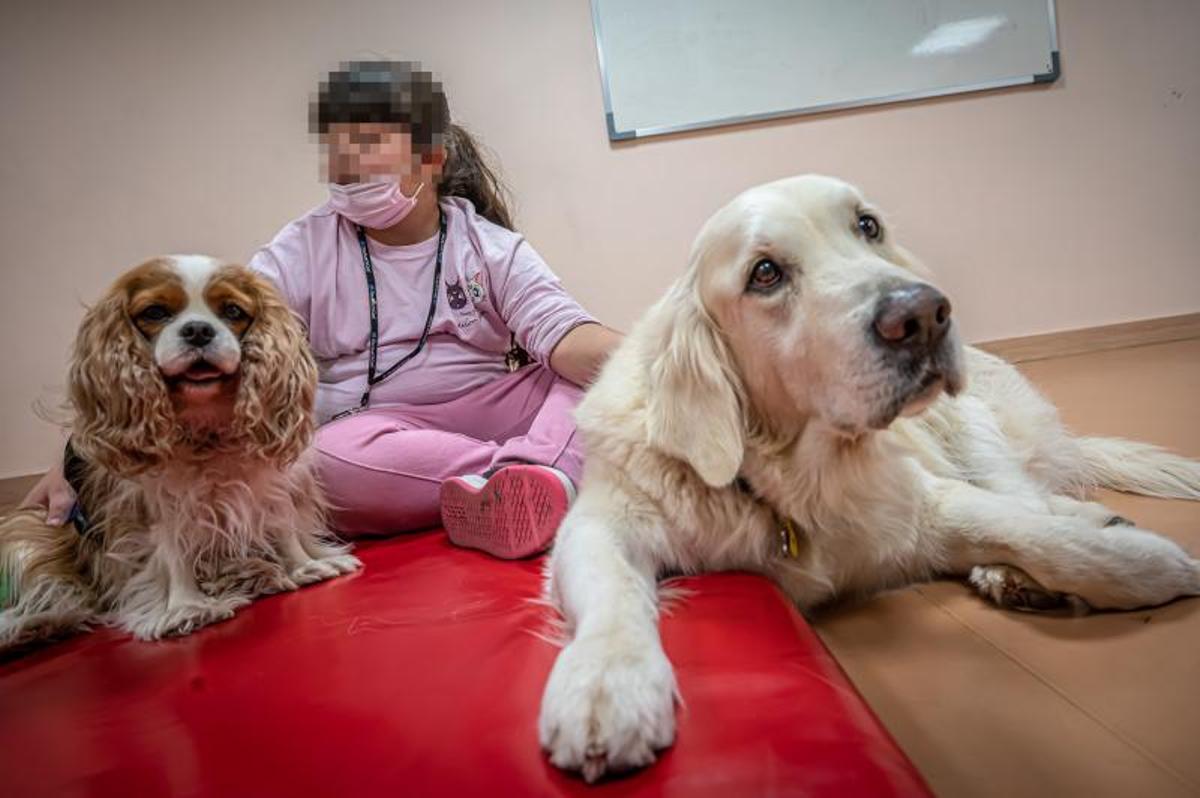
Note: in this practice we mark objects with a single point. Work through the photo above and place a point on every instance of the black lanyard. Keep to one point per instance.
(373, 378)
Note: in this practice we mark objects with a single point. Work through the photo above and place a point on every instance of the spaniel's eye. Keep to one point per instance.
(155, 313)
(869, 226)
(765, 276)
(231, 312)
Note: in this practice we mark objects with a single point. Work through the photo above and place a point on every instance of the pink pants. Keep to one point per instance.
(383, 468)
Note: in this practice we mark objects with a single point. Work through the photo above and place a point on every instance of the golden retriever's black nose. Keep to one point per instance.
(197, 333)
(914, 315)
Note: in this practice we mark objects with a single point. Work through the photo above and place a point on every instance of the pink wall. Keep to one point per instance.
(135, 128)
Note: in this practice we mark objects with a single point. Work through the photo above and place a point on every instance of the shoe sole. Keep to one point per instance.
(514, 514)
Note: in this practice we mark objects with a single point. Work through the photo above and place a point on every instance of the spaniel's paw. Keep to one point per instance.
(344, 563)
(254, 577)
(184, 617)
(325, 568)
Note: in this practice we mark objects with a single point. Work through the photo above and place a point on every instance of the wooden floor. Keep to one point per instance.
(12, 490)
(992, 703)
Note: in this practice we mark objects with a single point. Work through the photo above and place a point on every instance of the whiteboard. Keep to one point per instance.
(672, 65)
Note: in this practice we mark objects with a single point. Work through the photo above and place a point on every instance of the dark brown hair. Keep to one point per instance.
(400, 93)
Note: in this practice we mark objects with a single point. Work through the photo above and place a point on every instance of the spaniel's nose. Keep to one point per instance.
(914, 316)
(197, 333)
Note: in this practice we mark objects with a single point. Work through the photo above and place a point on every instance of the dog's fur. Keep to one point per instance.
(192, 390)
(729, 412)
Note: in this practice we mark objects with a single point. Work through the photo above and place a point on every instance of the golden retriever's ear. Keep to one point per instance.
(274, 410)
(693, 410)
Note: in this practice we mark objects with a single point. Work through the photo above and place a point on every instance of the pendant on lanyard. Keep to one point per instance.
(374, 378)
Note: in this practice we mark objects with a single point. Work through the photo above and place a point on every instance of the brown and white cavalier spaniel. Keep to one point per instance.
(192, 387)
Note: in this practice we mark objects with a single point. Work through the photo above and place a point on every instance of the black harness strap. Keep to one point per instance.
(75, 470)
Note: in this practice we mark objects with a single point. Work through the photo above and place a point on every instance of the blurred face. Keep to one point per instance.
(371, 152)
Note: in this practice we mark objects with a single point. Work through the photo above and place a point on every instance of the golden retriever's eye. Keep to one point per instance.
(869, 226)
(231, 312)
(765, 276)
(154, 313)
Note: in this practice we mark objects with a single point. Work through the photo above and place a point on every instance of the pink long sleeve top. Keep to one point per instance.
(492, 282)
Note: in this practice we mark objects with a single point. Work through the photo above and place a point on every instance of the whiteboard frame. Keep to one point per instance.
(660, 130)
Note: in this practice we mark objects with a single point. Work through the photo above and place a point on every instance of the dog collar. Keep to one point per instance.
(788, 531)
(789, 541)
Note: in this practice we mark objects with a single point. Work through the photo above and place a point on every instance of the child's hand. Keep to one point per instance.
(53, 493)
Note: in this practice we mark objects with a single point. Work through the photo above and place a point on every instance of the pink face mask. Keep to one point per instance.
(374, 205)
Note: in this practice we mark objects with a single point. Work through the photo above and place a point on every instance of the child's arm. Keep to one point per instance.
(582, 351)
(547, 321)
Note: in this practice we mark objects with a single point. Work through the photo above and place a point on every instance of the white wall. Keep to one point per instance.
(135, 128)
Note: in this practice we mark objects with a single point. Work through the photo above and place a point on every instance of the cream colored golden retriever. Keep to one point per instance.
(799, 405)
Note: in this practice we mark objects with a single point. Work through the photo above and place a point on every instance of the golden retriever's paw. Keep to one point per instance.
(1013, 589)
(609, 706)
(183, 618)
(325, 568)
(1134, 568)
(1092, 512)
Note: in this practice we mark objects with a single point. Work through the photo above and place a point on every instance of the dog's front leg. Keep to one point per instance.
(609, 702)
(163, 599)
(308, 552)
(1113, 567)
(310, 557)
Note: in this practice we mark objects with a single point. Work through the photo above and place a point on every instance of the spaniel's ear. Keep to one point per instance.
(123, 418)
(274, 411)
(693, 409)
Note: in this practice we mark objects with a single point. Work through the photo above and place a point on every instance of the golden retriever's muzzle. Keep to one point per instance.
(913, 332)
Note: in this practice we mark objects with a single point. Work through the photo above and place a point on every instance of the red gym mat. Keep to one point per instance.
(421, 676)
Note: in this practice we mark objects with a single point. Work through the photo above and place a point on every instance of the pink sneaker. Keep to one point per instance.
(512, 514)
